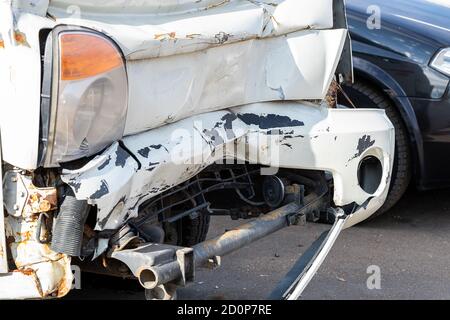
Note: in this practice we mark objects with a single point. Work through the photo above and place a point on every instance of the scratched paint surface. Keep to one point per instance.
(288, 135)
(162, 28)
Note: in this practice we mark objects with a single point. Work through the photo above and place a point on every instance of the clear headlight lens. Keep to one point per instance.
(91, 101)
(441, 61)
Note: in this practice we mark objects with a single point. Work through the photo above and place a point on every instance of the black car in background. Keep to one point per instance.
(401, 52)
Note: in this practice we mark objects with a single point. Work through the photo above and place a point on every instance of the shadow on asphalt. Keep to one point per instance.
(402, 241)
(416, 209)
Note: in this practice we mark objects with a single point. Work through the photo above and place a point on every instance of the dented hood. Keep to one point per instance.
(157, 28)
(186, 57)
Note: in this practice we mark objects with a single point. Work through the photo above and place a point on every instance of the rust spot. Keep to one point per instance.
(24, 236)
(165, 36)
(331, 97)
(27, 272)
(21, 38)
(31, 273)
(211, 6)
(47, 252)
(41, 200)
(62, 288)
(34, 197)
(2, 44)
(104, 262)
(44, 206)
(193, 35)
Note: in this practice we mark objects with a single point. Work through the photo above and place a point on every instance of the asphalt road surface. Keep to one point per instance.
(410, 245)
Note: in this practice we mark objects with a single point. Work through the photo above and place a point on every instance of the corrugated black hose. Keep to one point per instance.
(69, 225)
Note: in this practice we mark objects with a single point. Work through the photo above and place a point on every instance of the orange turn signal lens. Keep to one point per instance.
(85, 55)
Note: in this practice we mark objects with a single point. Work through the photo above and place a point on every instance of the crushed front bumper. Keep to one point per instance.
(276, 134)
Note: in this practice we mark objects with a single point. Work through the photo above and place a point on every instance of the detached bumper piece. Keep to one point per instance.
(296, 280)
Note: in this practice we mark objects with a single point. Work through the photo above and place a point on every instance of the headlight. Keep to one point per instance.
(441, 61)
(89, 96)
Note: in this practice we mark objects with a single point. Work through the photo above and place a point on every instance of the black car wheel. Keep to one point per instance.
(187, 232)
(364, 95)
(195, 230)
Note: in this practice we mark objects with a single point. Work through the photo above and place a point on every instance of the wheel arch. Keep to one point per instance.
(381, 80)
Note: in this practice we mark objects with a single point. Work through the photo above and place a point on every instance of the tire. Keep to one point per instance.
(365, 95)
(194, 231)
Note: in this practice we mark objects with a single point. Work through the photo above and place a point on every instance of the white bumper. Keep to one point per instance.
(278, 134)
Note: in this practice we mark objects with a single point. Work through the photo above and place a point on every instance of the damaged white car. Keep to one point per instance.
(126, 125)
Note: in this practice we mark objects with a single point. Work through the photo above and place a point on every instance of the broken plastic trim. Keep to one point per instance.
(339, 15)
(345, 66)
(46, 87)
(296, 280)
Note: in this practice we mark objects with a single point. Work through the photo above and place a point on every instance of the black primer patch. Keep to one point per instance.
(75, 185)
(152, 166)
(292, 137)
(103, 190)
(222, 37)
(269, 121)
(363, 144)
(121, 157)
(228, 120)
(105, 163)
(146, 151)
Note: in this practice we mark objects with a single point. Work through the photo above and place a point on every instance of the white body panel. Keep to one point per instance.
(152, 29)
(318, 139)
(295, 67)
(183, 57)
(186, 58)
(20, 83)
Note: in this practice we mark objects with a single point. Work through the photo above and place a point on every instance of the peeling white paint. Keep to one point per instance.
(177, 27)
(296, 67)
(20, 85)
(319, 139)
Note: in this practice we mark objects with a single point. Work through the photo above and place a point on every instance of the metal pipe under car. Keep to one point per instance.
(160, 268)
